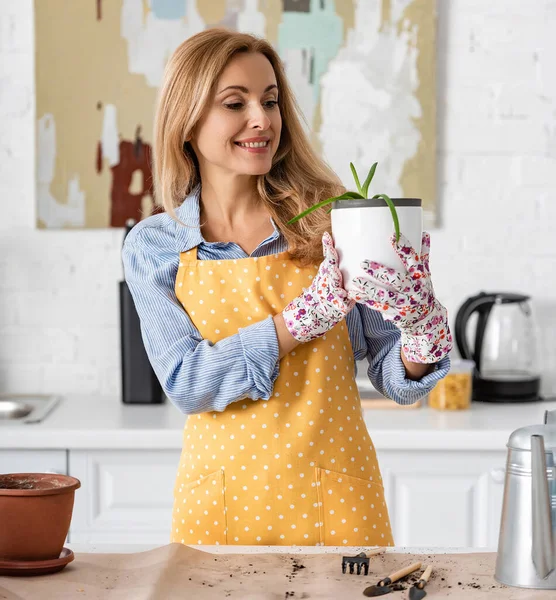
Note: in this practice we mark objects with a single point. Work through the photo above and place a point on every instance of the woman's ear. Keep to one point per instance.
(190, 135)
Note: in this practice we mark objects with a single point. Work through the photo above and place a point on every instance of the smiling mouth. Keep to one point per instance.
(252, 144)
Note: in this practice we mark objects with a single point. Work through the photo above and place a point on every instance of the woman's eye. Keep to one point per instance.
(238, 105)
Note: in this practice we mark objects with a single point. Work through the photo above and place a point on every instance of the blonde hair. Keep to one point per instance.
(298, 177)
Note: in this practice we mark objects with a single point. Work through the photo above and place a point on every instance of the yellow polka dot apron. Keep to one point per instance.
(297, 469)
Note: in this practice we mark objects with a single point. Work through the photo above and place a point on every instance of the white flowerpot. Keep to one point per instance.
(362, 228)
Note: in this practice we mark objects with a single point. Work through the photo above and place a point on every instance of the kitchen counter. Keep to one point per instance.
(92, 422)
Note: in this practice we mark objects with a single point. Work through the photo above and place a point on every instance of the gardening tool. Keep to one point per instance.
(417, 590)
(384, 585)
(361, 560)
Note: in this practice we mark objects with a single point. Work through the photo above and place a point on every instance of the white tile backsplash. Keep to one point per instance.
(496, 186)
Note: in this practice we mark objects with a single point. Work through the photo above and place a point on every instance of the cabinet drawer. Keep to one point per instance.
(33, 461)
(448, 499)
(126, 496)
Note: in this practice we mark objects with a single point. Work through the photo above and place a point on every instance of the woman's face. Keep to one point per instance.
(240, 130)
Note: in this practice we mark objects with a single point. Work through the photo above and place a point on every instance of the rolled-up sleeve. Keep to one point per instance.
(386, 369)
(195, 374)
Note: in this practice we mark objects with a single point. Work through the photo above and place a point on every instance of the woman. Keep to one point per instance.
(249, 330)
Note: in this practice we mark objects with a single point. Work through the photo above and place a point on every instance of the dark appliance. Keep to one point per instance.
(139, 382)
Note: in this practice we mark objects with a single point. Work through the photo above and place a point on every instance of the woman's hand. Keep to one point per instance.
(408, 301)
(324, 304)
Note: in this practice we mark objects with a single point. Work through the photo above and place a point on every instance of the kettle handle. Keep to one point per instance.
(482, 303)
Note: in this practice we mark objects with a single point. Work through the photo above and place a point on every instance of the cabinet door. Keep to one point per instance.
(126, 495)
(495, 484)
(33, 461)
(443, 499)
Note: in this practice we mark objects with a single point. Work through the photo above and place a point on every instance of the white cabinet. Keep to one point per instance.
(435, 498)
(33, 461)
(444, 498)
(126, 495)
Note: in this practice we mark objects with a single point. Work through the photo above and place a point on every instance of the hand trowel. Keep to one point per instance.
(417, 591)
(384, 585)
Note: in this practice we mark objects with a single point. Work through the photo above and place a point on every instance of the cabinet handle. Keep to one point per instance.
(498, 475)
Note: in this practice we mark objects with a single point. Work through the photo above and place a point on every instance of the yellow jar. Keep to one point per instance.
(453, 392)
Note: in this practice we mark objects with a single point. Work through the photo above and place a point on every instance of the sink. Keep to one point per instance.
(21, 408)
(14, 410)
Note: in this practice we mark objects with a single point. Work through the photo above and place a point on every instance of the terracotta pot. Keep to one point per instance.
(36, 511)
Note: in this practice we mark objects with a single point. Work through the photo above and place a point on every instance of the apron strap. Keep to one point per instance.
(189, 256)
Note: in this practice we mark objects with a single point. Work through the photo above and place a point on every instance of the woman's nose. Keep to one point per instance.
(258, 117)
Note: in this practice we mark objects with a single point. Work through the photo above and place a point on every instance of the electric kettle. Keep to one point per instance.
(504, 347)
(527, 542)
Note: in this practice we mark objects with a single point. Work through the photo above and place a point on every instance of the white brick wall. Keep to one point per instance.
(496, 177)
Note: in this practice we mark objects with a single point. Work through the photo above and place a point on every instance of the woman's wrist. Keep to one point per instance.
(415, 371)
(286, 341)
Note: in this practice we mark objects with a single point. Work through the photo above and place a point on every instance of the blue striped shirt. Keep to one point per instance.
(199, 376)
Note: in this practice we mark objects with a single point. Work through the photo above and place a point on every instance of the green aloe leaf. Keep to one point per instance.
(350, 196)
(367, 181)
(360, 195)
(345, 196)
(355, 176)
(393, 211)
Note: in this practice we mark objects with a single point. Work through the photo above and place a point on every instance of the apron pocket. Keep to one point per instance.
(353, 511)
(202, 510)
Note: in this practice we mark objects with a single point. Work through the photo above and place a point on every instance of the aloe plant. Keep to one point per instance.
(361, 194)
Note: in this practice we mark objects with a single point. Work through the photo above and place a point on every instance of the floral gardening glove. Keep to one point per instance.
(408, 301)
(324, 304)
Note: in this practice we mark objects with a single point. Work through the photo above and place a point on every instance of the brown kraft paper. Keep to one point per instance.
(180, 572)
